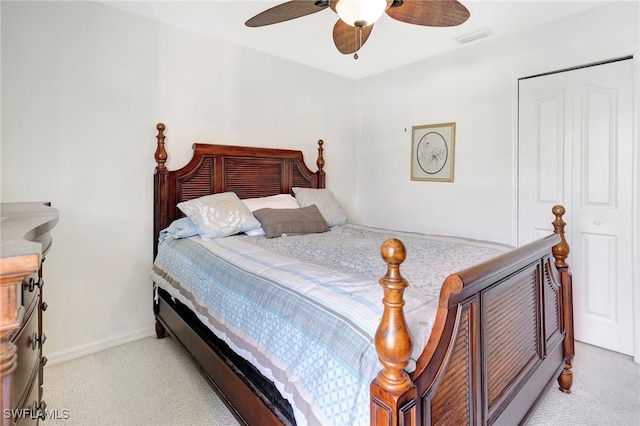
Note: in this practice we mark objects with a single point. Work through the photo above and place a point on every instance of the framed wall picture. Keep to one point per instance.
(432, 152)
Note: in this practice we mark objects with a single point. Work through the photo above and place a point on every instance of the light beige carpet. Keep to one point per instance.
(155, 382)
(147, 382)
(606, 391)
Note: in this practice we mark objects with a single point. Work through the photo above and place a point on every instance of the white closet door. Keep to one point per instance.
(575, 149)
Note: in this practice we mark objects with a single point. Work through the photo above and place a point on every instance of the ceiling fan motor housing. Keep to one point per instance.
(360, 13)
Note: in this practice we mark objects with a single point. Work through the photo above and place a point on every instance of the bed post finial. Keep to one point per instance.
(393, 394)
(393, 341)
(161, 153)
(320, 164)
(560, 250)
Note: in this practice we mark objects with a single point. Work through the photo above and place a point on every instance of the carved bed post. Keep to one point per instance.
(320, 163)
(161, 189)
(560, 253)
(393, 394)
(160, 204)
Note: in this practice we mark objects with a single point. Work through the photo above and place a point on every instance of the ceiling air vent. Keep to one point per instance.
(473, 36)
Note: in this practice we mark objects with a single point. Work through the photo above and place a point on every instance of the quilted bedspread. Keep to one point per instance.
(304, 309)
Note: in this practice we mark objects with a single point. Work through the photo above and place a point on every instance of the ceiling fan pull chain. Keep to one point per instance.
(358, 41)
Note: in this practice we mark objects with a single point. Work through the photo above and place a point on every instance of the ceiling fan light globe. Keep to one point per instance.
(360, 13)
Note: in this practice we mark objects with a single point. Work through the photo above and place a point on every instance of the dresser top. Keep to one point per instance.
(22, 225)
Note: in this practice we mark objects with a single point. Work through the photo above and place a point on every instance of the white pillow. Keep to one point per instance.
(279, 201)
(326, 202)
(219, 215)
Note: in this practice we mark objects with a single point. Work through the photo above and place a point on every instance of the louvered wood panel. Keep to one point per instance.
(253, 177)
(511, 331)
(451, 404)
(198, 184)
(298, 177)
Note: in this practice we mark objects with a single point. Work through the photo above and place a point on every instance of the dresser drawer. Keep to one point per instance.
(27, 344)
(29, 413)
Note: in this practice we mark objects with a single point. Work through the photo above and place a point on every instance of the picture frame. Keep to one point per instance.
(432, 152)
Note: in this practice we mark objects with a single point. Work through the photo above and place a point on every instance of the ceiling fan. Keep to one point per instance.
(356, 17)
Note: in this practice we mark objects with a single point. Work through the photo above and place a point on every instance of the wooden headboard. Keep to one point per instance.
(247, 171)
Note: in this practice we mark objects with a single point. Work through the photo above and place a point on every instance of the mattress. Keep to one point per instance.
(304, 309)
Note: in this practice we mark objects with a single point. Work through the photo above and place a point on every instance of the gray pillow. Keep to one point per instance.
(278, 222)
(326, 202)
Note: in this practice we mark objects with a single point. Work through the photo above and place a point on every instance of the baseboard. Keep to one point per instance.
(91, 348)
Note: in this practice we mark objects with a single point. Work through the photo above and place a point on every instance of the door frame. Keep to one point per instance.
(635, 213)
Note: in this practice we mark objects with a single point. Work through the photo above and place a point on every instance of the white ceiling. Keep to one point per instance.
(308, 40)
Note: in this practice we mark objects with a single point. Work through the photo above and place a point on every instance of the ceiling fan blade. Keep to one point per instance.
(429, 13)
(287, 11)
(350, 39)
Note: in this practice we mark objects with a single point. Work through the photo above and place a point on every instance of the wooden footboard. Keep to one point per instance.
(503, 332)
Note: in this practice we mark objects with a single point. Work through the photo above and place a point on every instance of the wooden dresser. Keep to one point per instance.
(25, 234)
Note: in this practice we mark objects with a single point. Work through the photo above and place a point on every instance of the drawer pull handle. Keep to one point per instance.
(44, 361)
(35, 340)
(42, 407)
(33, 284)
(44, 306)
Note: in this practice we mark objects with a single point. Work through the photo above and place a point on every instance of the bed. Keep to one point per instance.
(498, 333)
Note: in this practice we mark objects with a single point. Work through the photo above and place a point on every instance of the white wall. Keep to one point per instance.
(476, 87)
(83, 87)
